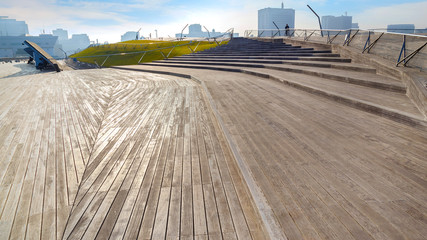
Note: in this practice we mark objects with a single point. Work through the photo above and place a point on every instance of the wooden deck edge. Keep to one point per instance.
(271, 225)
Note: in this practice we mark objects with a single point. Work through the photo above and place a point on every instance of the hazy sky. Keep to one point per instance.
(107, 20)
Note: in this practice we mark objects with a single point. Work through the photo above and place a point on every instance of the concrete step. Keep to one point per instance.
(357, 78)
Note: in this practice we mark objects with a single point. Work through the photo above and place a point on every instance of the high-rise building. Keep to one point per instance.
(129, 36)
(401, 28)
(61, 33)
(76, 43)
(280, 17)
(13, 33)
(195, 28)
(195, 31)
(11, 27)
(339, 23)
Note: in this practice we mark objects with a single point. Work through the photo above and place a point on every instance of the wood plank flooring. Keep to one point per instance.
(116, 154)
(327, 171)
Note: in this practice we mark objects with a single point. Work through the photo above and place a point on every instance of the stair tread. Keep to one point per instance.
(343, 65)
(392, 100)
(372, 78)
(389, 101)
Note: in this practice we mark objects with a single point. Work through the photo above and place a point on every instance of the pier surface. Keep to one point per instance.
(213, 154)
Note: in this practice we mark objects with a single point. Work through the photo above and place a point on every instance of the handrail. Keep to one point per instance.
(335, 30)
(363, 40)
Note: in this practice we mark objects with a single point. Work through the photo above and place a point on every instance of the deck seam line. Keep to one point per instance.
(266, 212)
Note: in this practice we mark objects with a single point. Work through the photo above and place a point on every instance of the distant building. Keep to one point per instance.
(11, 27)
(401, 28)
(339, 23)
(129, 36)
(13, 33)
(195, 31)
(61, 33)
(419, 31)
(280, 16)
(11, 46)
(355, 25)
(76, 43)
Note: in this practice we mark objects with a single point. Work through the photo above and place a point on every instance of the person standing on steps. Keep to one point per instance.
(287, 30)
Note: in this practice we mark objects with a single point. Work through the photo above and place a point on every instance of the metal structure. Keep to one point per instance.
(42, 59)
(318, 18)
(226, 36)
(137, 34)
(278, 29)
(398, 47)
(180, 38)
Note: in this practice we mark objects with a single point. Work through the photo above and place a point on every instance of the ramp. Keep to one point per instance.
(41, 57)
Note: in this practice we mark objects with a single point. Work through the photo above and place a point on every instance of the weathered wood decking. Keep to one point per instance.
(126, 154)
(326, 170)
(111, 154)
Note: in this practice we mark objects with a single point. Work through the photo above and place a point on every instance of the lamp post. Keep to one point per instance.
(180, 39)
(64, 53)
(318, 18)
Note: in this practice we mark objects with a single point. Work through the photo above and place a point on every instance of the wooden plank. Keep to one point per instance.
(187, 219)
(23, 210)
(36, 208)
(148, 221)
(49, 199)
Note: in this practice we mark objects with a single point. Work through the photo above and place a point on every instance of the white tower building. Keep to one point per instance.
(280, 16)
(339, 23)
(11, 27)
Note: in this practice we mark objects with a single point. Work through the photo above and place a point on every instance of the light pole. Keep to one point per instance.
(64, 53)
(180, 39)
(318, 18)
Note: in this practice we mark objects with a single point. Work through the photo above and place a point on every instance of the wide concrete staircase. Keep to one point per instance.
(320, 72)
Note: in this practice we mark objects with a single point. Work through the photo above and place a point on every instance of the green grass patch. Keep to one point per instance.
(133, 51)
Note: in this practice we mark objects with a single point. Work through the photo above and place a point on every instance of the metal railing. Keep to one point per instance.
(169, 46)
(398, 47)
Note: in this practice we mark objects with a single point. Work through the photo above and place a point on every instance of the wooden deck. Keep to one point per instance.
(327, 171)
(98, 154)
(114, 154)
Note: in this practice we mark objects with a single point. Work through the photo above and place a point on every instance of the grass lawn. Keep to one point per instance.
(132, 51)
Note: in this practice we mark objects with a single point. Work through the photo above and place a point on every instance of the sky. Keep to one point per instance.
(108, 20)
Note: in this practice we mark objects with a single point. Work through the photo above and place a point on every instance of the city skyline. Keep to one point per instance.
(108, 20)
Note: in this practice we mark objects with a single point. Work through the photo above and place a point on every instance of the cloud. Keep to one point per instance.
(107, 20)
(380, 17)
